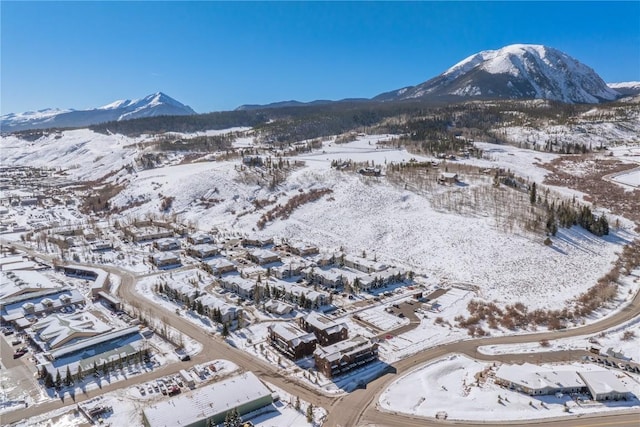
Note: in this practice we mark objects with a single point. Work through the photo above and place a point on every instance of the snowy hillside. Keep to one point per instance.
(514, 72)
(400, 226)
(157, 104)
(593, 129)
(85, 155)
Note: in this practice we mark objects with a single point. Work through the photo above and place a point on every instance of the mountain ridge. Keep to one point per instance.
(518, 71)
(156, 104)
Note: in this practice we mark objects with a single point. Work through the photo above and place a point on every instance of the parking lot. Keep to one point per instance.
(18, 374)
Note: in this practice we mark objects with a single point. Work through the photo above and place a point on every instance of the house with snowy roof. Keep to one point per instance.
(291, 341)
(203, 251)
(344, 356)
(326, 330)
(263, 256)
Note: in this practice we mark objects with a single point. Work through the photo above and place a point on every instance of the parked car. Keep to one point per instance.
(185, 358)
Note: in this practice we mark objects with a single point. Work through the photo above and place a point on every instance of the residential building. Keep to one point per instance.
(263, 256)
(203, 251)
(345, 356)
(210, 303)
(326, 330)
(259, 242)
(291, 341)
(167, 244)
(244, 288)
(328, 278)
(165, 259)
(221, 266)
(297, 294)
(200, 239)
(278, 307)
(288, 269)
(303, 249)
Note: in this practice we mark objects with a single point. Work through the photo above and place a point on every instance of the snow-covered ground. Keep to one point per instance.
(400, 226)
(622, 339)
(436, 326)
(450, 386)
(629, 178)
(599, 127)
(127, 404)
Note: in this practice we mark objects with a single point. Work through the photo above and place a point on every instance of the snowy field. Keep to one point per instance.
(449, 386)
(630, 178)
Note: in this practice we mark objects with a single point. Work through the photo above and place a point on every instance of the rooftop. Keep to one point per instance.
(205, 402)
(56, 330)
(350, 345)
(600, 382)
(289, 332)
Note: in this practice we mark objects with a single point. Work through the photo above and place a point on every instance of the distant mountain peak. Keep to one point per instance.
(518, 71)
(626, 88)
(156, 104)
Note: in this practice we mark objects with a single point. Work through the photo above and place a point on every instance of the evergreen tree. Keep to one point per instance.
(297, 406)
(310, 413)
(240, 320)
(79, 374)
(105, 369)
(532, 194)
(256, 294)
(551, 225)
(232, 419)
(68, 380)
(58, 378)
(48, 379)
(225, 329)
(95, 368)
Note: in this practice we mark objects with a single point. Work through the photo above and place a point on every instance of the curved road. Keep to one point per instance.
(360, 406)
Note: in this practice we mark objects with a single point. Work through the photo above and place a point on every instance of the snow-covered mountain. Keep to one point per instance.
(626, 88)
(157, 104)
(517, 71)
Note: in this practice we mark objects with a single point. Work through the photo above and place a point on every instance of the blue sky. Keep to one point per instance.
(217, 56)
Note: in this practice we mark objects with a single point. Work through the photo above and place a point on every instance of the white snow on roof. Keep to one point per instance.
(537, 378)
(206, 402)
(57, 329)
(323, 323)
(336, 351)
(601, 382)
(289, 332)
